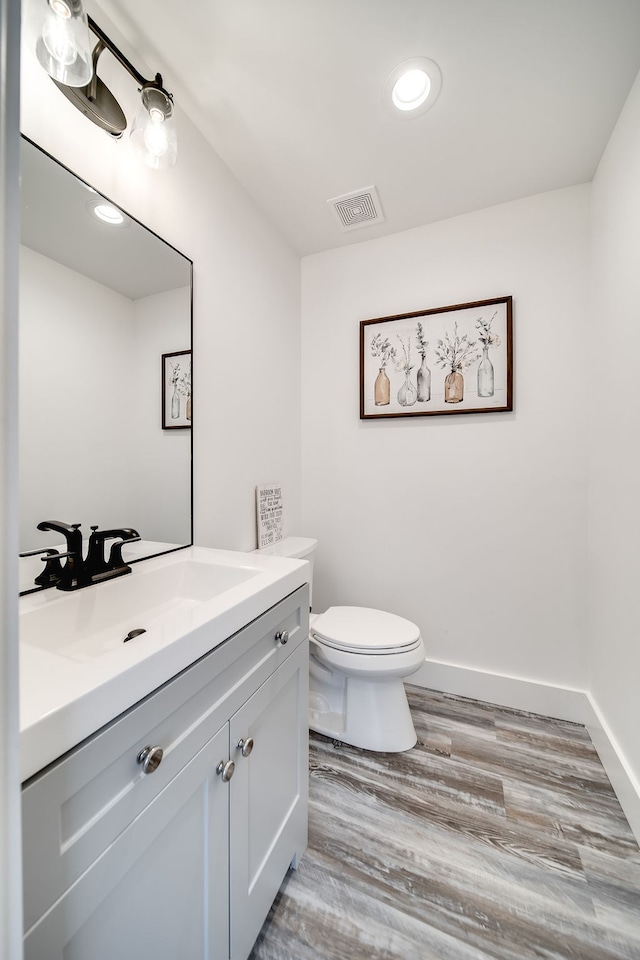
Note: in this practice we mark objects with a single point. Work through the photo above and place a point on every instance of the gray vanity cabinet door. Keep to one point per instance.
(161, 888)
(269, 792)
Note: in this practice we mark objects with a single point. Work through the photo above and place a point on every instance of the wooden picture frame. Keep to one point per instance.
(455, 359)
(176, 390)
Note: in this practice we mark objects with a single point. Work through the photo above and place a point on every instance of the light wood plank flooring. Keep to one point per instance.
(498, 836)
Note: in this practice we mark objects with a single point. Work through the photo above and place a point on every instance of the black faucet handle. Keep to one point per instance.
(121, 533)
(116, 560)
(129, 534)
(52, 572)
(47, 553)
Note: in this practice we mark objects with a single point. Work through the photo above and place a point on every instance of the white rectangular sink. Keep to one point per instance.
(76, 671)
(94, 621)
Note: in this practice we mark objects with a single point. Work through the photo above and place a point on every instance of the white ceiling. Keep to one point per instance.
(289, 93)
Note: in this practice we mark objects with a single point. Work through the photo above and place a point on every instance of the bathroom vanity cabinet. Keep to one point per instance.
(186, 859)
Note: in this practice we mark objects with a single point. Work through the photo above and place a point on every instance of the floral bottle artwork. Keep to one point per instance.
(175, 396)
(485, 367)
(424, 374)
(408, 393)
(384, 353)
(456, 355)
(185, 391)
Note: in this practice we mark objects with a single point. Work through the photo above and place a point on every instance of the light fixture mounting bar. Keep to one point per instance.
(96, 101)
(118, 54)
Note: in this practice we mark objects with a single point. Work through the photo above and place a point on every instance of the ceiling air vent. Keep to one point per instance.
(359, 209)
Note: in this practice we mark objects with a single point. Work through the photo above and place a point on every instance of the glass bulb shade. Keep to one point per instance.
(62, 40)
(411, 89)
(154, 137)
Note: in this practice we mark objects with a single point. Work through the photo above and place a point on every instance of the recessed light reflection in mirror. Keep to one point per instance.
(107, 213)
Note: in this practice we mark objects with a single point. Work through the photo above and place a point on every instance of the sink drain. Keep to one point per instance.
(133, 634)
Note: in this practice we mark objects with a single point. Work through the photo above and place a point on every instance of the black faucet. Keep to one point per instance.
(81, 572)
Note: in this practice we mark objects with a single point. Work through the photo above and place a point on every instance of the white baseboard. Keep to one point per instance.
(619, 771)
(548, 699)
(563, 703)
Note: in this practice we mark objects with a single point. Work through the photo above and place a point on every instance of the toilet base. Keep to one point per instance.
(369, 713)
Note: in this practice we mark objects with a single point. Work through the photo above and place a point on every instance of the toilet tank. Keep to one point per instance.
(298, 548)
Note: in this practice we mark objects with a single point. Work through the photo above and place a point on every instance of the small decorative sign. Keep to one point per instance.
(269, 513)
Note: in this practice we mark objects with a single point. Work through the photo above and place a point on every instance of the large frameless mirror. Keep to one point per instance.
(105, 369)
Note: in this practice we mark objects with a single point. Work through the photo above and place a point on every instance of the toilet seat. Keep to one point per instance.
(363, 630)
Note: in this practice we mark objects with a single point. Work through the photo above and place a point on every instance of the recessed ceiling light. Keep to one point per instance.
(412, 87)
(107, 213)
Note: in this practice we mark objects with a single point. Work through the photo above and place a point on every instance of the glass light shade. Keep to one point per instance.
(62, 40)
(154, 136)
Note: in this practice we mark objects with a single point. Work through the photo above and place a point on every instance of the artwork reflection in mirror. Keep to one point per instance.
(176, 390)
(99, 303)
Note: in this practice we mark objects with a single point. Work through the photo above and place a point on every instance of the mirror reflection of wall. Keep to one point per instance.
(98, 308)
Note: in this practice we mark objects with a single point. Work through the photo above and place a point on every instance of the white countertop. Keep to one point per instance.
(64, 697)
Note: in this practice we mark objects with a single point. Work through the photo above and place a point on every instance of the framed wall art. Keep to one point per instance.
(456, 359)
(176, 390)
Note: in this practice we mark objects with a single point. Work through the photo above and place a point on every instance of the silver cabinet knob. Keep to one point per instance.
(246, 746)
(282, 636)
(225, 770)
(150, 758)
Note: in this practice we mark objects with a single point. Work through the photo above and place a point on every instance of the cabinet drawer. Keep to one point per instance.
(76, 808)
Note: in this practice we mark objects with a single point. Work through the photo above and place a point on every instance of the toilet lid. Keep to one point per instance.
(364, 630)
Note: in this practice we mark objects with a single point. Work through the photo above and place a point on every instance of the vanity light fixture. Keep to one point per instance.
(59, 27)
(413, 87)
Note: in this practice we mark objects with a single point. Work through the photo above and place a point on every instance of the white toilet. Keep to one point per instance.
(358, 660)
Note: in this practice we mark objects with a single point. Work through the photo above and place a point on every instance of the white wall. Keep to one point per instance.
(614, 412)
(472, 526)
(246, 297)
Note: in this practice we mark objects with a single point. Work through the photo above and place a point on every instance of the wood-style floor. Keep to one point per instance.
(498, 836)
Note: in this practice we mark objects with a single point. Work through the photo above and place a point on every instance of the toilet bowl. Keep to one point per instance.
(358, 659)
